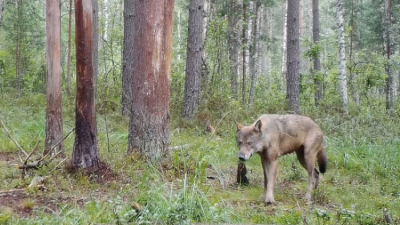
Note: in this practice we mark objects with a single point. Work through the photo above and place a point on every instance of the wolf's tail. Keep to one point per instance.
(322, 160)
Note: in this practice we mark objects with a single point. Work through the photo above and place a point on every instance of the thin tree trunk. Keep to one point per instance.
(54, 125)
(253, 59)
(244, 50)
(95, 45)
(342, 55)
(293, 56)
(85, 152)
(388, 52)
(284, 46)
(68, 83)
(18, 48)
(317, 63)
(151, 72)
(195, 48)
(128, 55)
(233, 34)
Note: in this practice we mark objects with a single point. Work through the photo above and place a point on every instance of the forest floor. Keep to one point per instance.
(197, 182)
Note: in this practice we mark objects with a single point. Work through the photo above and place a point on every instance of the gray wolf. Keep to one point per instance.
(274, 135)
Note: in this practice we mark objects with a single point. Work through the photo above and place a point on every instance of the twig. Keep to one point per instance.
(12, 139)
(48, 153)
(34, 149)
(57, 165)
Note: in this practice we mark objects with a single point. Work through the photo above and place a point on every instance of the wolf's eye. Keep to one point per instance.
(239, 143)
(249, 143)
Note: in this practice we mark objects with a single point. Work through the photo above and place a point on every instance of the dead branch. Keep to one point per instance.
(12, 139)
(51, 150)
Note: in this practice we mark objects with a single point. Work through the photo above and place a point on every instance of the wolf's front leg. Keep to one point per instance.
(271, 175)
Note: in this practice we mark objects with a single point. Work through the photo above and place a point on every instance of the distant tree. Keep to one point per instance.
(151, 73)
(244, 48)
(68, 76)
(85, 153)
(127, 56)
(233, 43)
(54, 125)
(293, 56)
(284, 43)
(342, 55)
(254, 50)
(195, 48)
(317, 63)
(388, 43)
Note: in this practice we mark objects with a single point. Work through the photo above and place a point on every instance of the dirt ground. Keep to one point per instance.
(22, 201)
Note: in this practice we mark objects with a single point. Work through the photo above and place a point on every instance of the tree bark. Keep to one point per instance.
(85, 152)
(342, 55)
(128, 55)
(149, 119)
(54, 125)
(195, 48)
(95, 45)
(317, 63)
(293, 56)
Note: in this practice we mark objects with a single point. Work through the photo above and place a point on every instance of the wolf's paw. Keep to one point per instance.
(269, 201)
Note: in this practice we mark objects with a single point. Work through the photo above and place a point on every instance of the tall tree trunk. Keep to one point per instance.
(244, 49)
(293, 56)
(353, 36)
(54, 125)
(18, 48)
(149, 118)
(317, 63)
(233, 43)
(128, 55)
(68, 78)
(85, 153)
(284, 45)
(342, 55)
(195, 48)
(95, 45)
(253, 59)
(388, 53)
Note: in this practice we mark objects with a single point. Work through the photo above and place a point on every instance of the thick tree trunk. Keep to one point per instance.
(149, 119)
(293, 56)
(54, 125)
(85, 153)
(195, 48)
(128, 55)
(342, 55)
(253, 59)
(317, 63)
(233, 43)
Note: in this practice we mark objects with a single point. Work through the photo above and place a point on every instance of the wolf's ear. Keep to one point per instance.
(258, 125)
(238, 126)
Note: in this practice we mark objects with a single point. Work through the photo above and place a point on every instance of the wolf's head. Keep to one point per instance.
(248, 139)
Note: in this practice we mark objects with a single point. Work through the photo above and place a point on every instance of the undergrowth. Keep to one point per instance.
(197, 182)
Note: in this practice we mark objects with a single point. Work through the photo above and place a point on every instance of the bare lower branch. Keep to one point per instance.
(12, 139)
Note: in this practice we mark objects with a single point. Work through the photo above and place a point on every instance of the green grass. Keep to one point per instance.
(361, 183)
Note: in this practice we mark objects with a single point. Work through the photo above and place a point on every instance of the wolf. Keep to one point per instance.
(274, 135)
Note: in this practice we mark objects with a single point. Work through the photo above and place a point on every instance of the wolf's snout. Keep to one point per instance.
(242, 157)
